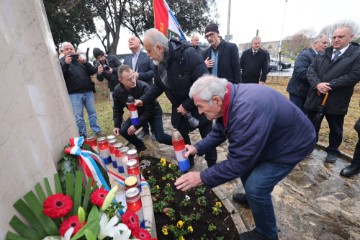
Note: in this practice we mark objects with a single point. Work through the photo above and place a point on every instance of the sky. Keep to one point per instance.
(274, 19)
(277, 19)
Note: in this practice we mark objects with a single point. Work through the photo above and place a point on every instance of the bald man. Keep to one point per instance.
(195, 43)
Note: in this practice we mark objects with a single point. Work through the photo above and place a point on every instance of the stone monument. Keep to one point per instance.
(36, 119)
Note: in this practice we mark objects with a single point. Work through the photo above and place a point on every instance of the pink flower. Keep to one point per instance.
(57, 205)
(97, 197)
(72, 221)
(131, 220)
(141, 234)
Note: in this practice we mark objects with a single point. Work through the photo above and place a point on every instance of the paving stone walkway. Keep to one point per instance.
(313, 202)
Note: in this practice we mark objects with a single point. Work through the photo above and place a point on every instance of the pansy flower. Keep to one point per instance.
(72, 221)
(57, 205)
(98, 196)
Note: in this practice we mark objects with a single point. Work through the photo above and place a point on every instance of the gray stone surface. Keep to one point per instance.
(313, 202)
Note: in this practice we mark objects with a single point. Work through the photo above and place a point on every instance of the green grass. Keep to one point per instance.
(105, 121)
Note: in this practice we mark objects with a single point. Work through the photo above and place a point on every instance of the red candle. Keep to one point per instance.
(134, 204)
(134, 170)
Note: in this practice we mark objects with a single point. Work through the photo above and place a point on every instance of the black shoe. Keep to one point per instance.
(140, 149)
(99, 134)
(240, 198)
(142, 135)
(254, 235)
(350, 171)
(330, 158)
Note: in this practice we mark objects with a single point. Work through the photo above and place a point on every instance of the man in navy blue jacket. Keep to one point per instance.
(267, 137)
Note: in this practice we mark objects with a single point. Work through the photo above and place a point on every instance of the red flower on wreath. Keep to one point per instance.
(57, 205)
(98, 197)
(141, 234)
(131, 220)
(72, 221)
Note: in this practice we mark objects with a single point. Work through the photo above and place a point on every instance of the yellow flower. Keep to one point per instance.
(180, 224)
(157, 187)
(163, 178)
(190, 229)
(218, 204)
(181, 238)
(164, 230)
(163, 162)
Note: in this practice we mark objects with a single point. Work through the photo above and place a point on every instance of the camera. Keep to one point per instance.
(192, 121)
(106, 67)
(74, 57)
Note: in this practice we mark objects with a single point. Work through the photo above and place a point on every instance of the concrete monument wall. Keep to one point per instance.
(36, 119)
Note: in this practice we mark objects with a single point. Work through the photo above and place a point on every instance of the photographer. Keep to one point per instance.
(107, 66)
(77, 72)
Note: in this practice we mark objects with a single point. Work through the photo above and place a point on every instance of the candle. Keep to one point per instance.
(104, 150)
(91, 141)
(134, 204)
(119, 163)
(134, 170)
(111, 144)
(124, 158)
(133, 154)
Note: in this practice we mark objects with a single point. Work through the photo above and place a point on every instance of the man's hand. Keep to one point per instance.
(323, 87)
(138, 103)
(209, 62)
(100, 69)
(131, 130)
(191, 150)
(188, 181)
(110, 71)
(181, 110)
(116, 131)
(68, 59)
(82, 59)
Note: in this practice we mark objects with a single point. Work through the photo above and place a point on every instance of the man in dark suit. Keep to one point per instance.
(143, 69)
(221, 58)
(254, 63)
(336, 71)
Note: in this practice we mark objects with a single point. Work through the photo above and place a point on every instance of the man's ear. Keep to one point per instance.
(217, 100)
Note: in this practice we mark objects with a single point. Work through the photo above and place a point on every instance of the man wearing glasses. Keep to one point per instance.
(221, 58)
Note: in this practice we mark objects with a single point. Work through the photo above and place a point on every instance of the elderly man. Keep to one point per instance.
(143, 70)
(336, 71)
(299, 86)
(267, 137)
(254, 63)
(177, 67)
(221, 58)
(77, 72)
(195, 43)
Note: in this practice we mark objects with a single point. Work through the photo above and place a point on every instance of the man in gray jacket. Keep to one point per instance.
(267, 137)
(336, 71)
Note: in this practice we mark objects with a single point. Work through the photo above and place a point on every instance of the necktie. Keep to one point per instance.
(336, 55)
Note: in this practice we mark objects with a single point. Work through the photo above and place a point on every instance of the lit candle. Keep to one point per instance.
(124, 158)
(119, 163)
(134, 204)
(111, 144)
(104, 150)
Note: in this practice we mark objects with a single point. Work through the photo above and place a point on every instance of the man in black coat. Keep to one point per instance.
(144, 70)
(336, 71)
(177, 67)
(152, 113)
(221, 58)
(107, 66)
(299, 86)
(254, 63)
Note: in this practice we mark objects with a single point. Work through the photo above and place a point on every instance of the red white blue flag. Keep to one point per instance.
(165, 20)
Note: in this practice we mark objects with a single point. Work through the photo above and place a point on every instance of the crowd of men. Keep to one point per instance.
(267, 134)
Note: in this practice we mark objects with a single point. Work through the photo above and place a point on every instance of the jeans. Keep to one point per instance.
(157, 127)
(258, 185)
(78, 101)
(299, 102)
(336, 123)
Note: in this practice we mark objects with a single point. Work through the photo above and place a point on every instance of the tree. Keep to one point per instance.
(70, 21)
(329, 29)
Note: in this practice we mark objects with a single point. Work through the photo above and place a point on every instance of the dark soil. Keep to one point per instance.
(197, 212)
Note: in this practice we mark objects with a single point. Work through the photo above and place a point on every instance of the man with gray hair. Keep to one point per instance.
(299, 86)
(177, 67)
(267, 137)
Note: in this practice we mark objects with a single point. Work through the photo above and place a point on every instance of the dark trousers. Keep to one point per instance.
(157, 128)
(184, 129)
(299, 102)
(336, 123)
(356, 157)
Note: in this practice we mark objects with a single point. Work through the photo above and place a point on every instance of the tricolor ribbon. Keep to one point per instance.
(86, 159)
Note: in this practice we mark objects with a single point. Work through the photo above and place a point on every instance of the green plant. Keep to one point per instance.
(185, 202)
(212, 227)
(200, 191)
(202, 201)
(217, 208)
(159, 206)
(169, 193)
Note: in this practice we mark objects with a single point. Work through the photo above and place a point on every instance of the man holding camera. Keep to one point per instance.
(107, 66)
(77, 72)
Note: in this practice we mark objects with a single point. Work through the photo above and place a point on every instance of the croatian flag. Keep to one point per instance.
(165, 20)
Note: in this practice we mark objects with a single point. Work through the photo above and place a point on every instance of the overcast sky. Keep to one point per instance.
(268, 16)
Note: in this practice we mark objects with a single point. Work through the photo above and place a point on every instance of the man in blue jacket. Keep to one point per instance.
(299, 86)
(267, 137)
